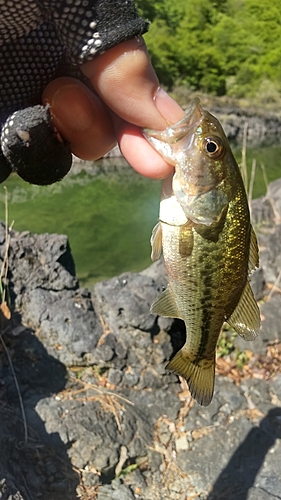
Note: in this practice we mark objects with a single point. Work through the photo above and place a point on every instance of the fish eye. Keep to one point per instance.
(212, 147)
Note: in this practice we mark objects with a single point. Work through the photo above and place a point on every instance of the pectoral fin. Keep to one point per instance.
(156, 242)
(199, 374)
(245, 318)
(166, 305)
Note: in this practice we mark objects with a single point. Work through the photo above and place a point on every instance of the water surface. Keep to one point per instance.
(107, 216)
(108, 212)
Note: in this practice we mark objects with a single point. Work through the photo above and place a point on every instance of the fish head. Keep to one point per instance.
(200, 152)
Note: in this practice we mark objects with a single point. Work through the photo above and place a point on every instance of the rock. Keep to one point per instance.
(35, 261)
(69, 326)
(8, 490)
(127, 301)
(90, 367)
(121, 493)
(260, 130)
(273, 196)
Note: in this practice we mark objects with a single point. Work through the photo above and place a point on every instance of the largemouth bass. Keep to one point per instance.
(209, 245)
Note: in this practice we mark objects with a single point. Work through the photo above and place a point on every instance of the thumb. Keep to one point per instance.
(126, 81)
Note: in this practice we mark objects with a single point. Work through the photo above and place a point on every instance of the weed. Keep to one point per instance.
(225, 344)
(226, 347)
(127, 470)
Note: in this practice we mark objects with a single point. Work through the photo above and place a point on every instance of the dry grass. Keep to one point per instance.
(109, 400)
(5, 307)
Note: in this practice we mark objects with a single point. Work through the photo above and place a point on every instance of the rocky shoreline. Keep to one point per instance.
(103, 418)
(258, 129)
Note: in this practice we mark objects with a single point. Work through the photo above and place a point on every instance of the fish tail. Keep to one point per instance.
(199, 374)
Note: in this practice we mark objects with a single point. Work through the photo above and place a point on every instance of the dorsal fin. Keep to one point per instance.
(245, 318)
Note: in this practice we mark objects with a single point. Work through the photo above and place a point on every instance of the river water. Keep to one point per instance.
(108, 213)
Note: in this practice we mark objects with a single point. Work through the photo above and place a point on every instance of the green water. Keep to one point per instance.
(108, 215)
(270, 158)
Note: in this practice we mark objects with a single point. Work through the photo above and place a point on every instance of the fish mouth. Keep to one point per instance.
(178, 138)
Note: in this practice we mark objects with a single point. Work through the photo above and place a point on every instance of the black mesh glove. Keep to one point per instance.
(41, 41)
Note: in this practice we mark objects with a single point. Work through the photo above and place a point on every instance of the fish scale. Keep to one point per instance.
(208, 243)
(196, 288)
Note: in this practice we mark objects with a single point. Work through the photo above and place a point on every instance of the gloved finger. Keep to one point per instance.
(32, 147)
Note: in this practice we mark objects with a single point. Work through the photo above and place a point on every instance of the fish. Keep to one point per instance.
(208, 243)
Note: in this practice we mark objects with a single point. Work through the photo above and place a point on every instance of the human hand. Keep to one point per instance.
(128, 98)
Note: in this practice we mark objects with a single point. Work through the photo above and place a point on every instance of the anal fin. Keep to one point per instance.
(165, 305)
(245, 318)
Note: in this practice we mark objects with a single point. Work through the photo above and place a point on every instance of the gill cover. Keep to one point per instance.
(196, 147)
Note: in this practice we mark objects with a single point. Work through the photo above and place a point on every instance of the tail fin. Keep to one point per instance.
(199, 374)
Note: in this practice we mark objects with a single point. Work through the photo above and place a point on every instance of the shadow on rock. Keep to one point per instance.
(38, 467)
(238, 477)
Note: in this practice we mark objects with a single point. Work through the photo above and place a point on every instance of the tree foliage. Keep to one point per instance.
(217, 46)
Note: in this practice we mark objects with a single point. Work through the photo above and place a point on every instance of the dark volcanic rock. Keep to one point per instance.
(260, 130)
(67, 323)
(98, 400)
(38, 261)
(127, 301)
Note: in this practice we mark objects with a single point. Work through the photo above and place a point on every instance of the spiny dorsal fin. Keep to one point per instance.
(156, 242)
(254, 252)
(245, 318)
(166, 305)
(200, 375)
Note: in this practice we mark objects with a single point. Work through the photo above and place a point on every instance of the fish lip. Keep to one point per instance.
(177, 138)
(194, 115)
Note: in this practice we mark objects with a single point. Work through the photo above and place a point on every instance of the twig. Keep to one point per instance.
(3, 279)
(252, 179)
(17, 387)
(88, 385)
(5, 263)
(274, 287)
(243, 160)
(264, 175)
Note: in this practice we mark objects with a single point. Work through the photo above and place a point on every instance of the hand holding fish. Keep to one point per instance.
(128, 98)
(209, 245)
(91, 63)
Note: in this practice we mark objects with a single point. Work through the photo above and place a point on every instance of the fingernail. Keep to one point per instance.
(169, 109)
(73, 107)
